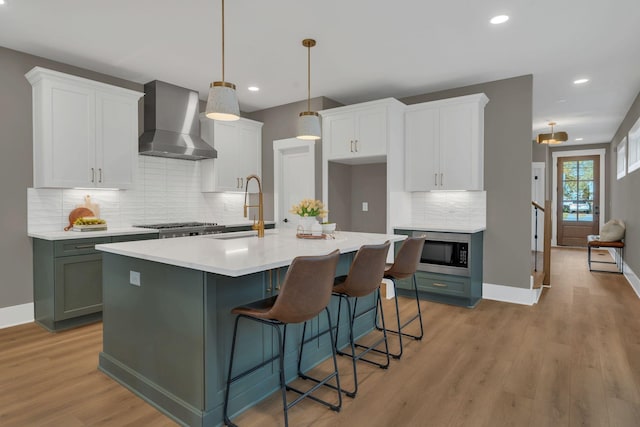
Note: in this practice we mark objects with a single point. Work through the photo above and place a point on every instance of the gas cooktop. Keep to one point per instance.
(180, 229)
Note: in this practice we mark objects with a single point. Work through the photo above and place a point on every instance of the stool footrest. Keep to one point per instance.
(319, 383)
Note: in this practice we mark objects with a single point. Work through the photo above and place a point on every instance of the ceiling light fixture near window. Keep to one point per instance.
(222, 103)
(553, 137)
(580, 81)
(1, 2)
(309, 121)
(500, 19)
(253, 88)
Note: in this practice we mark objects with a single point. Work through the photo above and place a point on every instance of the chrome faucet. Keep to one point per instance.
(260, 224)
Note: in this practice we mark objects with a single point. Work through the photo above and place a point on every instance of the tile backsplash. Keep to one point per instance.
(165, 190)
(449, 208)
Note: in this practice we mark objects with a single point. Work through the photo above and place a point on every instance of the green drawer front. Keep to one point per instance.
(441, 284)
(79, 246)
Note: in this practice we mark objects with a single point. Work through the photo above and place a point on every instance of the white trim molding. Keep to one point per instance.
(629, 274)
(16, 315)
(554, 179)
(524, 296)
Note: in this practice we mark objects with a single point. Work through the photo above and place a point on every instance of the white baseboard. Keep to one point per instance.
(510, 294)
(16, 315)
(629, 274)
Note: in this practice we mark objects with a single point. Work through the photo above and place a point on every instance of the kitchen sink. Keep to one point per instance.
(237, 235)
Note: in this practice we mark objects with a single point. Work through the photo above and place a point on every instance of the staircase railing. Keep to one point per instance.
(546, 243)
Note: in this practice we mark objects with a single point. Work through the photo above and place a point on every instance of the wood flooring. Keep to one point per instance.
(571, 360)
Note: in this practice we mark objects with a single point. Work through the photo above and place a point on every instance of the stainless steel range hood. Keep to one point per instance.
(172, 124)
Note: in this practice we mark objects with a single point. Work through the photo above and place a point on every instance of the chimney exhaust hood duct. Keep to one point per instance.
(172, 124)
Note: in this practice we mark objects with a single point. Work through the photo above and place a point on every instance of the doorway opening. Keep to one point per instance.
(578, 198)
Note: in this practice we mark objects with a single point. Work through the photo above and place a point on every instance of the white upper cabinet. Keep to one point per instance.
(358, 131)
(85, 133)
(239, 147)
(444, 142)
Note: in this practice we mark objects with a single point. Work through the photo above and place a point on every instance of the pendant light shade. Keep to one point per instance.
(552, 138)
(222, 103)
(309, 121)
(309, 125)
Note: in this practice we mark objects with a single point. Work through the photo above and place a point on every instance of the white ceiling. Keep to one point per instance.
(366, 49)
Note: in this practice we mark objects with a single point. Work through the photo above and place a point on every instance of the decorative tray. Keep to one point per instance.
(91, 227)
(311, 236)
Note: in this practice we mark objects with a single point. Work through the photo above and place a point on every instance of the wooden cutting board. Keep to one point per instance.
(89, 204)
(77, 213)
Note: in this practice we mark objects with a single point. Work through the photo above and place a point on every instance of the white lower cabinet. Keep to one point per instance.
(239, 147)
(85, 133)
(444, 143)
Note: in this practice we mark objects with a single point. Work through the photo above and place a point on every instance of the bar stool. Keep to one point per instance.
(305, 293)
(365, 275)
(405, 265)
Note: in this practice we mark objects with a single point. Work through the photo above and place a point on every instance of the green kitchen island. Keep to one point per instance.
(167, 325)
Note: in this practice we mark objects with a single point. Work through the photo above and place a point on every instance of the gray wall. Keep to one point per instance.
(625, 193)
(16, 167)
(369, 184)
(357, 184)
(340, 201)
(280, 123)
(507, 176)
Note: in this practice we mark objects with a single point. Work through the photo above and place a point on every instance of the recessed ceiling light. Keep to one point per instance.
(579, 139)
(580, 81)
(1, 1)
(251, 88)
(500, 19)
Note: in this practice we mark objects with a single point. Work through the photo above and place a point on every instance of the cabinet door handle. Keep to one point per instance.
(351, 146)
(269, 287)
(278, 279)
(237, 182)
(99, 174)
(241, 183)
(93, 175)
(435, 179)
(356, 145)
(441, 179)
(440, 285)
(93, 246)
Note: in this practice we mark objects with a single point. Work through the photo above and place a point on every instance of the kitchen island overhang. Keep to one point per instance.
(167, 324)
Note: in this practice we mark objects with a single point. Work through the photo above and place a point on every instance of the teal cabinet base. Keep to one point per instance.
(169, 339)
(67, 280)
(440, 298)
(462, 291)
(62, 325)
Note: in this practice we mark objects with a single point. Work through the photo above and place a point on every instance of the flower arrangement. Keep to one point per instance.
(309, 208)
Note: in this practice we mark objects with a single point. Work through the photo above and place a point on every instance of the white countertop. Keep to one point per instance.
(67, 235)
(237, 254)
(464, 228)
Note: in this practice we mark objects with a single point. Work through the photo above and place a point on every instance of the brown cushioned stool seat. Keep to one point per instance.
(304, 294)
(593, 241)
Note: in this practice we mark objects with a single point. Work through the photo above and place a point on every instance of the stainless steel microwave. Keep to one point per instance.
(446, 253)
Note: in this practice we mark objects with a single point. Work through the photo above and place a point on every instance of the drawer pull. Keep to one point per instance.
(440, 285)
(86, 246)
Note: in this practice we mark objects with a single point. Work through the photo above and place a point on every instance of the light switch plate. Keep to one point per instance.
(365, 206)
(134, 278)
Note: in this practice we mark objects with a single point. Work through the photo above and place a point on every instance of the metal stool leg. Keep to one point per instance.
(323, 382)
(353, 315)
(402, 325)
(227, 421)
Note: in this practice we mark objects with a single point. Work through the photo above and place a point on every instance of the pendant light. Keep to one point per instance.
(222, 103)
(552, 138)
(309, 121)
